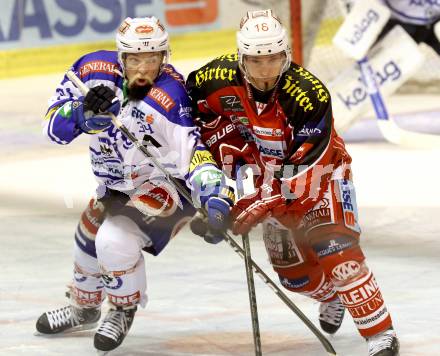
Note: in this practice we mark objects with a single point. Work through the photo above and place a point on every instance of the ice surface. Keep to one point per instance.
(198, 303)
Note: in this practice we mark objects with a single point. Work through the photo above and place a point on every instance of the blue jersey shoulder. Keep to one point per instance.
(169, 96)
(99, 65)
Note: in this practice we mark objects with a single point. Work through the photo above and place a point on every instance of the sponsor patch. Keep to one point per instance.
(162, 98)
(199, 158)
(231, 103)
(185, 111)
(125, 300)
(281, 247)
(144, 29)
(349, 206)
(294, 283)
(207, 74)
(330, 247)
(365, 303)
(66, 110)
(309, 131)
(83, 297)
(97, 67)
(346, 270)
(320, 214)
(267, 131)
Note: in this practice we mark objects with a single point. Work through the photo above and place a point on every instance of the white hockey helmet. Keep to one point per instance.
(142, 34)
(261, 33)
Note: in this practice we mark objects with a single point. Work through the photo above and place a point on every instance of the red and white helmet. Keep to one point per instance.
(142, 34)
(261, 33)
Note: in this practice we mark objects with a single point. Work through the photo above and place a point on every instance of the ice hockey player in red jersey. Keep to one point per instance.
(259, 108)
(137, 209)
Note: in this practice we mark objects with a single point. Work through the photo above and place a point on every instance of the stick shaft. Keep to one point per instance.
(235, 246)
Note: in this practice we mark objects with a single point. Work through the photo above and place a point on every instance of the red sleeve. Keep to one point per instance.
(311, 166)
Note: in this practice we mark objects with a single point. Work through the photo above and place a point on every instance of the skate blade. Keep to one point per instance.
(102, 353)
(68, 331)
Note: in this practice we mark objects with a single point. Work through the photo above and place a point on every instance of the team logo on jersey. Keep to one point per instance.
(231, 103)
(105, 150)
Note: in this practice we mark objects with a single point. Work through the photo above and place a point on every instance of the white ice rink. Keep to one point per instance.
(198, 303)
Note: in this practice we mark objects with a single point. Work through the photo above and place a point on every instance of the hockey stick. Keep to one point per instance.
(387, 125)
(235, 246)
(249, 274)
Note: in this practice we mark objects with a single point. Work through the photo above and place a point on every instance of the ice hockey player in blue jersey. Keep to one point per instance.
(136, 208)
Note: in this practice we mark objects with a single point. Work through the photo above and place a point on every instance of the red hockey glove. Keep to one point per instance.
(252, 209)
(226, 144)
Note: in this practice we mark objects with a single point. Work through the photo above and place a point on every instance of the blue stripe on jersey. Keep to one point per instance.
(62, 130)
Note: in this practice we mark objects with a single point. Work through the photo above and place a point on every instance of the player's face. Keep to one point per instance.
(142, 68)
(264, 70)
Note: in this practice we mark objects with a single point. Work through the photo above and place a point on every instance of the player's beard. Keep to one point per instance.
(138, 92)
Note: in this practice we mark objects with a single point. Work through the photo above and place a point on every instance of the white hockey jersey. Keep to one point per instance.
(162, 120)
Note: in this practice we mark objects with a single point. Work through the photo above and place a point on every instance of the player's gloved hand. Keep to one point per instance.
(102, 99)
(217, 198)
(252, 209)
(89, 112)
(199, 226)
(226, 144)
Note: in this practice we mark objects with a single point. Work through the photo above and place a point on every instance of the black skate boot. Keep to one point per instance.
(331, 315)
(114, 328)
(68, 319)
(383, 344)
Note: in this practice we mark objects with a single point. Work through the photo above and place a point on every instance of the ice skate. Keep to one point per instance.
(331, 315)
(113, 329)
(383, 344)
(68, 319)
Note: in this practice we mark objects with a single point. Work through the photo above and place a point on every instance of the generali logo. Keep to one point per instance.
(144, 29)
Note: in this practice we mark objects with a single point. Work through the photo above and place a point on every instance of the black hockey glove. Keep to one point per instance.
(199, 226)
(101, 99)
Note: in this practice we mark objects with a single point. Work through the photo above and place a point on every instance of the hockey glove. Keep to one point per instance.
(252, 209)
(226, 144)
(216, 197)
(101, 99)
(89, 112)
(199, 226)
